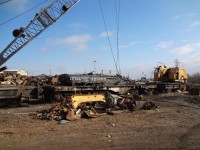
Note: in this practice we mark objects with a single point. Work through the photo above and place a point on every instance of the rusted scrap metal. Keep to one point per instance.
(65, 110)
(130, 102)
(90, 112)
(59, 112)
(37, 80)
(72, 107)
(17, 79)
(73, 115)
(54, 80)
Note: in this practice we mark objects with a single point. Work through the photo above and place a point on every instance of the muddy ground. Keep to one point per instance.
(175, 125)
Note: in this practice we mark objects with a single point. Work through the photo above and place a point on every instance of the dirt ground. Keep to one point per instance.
(175, 125)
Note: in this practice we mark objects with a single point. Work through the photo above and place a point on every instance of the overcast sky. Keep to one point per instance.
(150, 31)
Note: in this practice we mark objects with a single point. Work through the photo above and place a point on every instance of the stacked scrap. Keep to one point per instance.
(17, 79)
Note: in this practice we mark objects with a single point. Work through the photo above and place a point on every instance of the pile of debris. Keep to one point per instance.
(58, 112)
(62, 111)
(17, 79)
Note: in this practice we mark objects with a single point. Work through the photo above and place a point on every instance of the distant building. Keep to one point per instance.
(12, 72)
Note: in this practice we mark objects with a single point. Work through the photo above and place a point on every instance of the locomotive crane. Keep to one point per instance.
(24, 35)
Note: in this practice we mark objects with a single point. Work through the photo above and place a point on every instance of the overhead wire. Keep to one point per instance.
(117, 8)
(108, 36)
(23, 13)
(5, 1)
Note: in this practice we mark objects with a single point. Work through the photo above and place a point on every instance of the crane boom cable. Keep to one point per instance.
(108, 37)
(23, 13)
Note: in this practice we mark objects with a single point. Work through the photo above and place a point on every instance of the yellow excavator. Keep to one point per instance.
(176, 74)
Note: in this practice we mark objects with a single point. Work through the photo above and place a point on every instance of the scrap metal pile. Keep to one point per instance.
(17, 79)
(67, 110)
(63, 79)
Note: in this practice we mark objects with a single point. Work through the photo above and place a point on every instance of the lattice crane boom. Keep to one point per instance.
(42, 20)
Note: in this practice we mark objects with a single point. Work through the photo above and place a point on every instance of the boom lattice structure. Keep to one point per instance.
(42, 20)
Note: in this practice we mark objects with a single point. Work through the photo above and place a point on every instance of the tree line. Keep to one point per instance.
(194, 79)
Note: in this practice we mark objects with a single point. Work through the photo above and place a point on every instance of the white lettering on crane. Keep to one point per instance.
(8, 53)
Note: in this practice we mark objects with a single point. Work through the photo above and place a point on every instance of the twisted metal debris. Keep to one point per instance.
(65, 111)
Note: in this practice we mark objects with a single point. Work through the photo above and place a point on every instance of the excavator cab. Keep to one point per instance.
(159, 72)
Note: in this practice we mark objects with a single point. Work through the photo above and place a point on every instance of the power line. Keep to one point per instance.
(108, 36)
(21, 13)
(117, 8)
(4, 1)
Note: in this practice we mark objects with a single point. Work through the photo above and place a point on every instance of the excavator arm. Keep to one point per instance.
(42, 20)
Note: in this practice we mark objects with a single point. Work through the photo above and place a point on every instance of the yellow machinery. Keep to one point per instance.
(159, 72)
(86, 98)
(177, 74)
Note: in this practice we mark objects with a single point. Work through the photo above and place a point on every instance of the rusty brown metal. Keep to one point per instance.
(71, 115)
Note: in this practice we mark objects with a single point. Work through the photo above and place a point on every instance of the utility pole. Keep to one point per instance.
(177, 63)
(95, 66)
(50, 72)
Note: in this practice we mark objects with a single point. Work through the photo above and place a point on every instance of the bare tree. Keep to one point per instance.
(194, 79)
